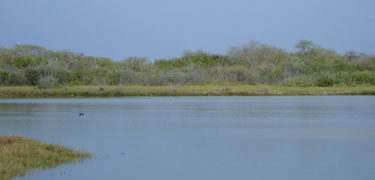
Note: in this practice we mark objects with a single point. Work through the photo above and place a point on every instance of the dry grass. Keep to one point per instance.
(19, 154)
(187, 90)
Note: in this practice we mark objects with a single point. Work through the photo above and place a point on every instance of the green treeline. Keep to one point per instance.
(252, 63)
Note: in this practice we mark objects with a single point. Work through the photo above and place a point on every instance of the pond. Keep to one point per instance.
(201, 138)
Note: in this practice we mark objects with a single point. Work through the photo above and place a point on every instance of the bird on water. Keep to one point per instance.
(81, 114)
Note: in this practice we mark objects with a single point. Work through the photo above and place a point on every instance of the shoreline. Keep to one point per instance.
(19, 154)
(185, 90)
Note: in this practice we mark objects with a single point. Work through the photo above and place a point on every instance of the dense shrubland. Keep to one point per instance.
(252, 63)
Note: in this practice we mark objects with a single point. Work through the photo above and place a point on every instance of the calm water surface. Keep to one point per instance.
(203, 138)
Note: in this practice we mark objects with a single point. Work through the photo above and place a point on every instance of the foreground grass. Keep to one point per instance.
(19, 154)
(187, 90)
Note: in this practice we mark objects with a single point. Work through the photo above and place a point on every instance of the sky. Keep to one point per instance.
(159, 29)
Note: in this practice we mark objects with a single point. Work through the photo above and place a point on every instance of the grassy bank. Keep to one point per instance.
(19, 154)
(187, 90)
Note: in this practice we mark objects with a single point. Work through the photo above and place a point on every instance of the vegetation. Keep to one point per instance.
(251, 64)
(19, 154)
(185, 90)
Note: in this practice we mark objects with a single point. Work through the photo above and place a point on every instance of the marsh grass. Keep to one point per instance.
(19, 154)
(186, 90)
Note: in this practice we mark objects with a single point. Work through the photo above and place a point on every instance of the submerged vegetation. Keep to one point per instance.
(251, 64)
(20, 154)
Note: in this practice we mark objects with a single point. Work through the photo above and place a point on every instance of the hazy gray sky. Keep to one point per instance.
(165, 28)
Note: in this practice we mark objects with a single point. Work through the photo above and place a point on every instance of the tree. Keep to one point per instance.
(251, 63)
(135, 63)
(26, 49)
(4, 78)
(305, 47)
(246, 53)
(47, 82)
(352, 56)
(32, 76)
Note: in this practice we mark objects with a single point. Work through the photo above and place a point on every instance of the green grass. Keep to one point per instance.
(186, 90)
(19, 154)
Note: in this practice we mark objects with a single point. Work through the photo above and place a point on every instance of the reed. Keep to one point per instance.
(186, 90)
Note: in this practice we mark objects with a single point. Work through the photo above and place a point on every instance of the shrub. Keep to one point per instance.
(32, 76)
(47, 82)
(326, 80)
(4, 78)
